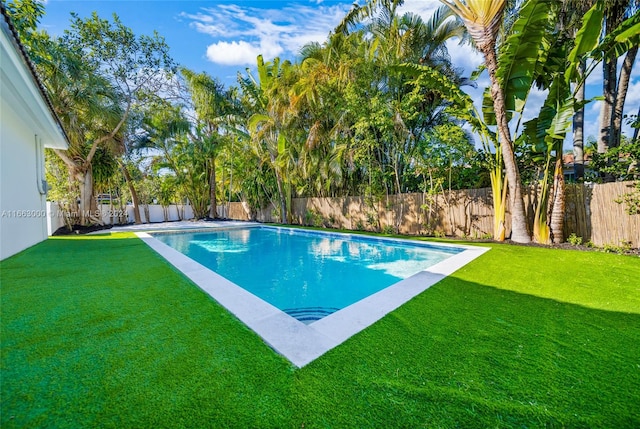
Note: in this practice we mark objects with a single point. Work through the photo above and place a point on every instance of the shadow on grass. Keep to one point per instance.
(105, 333)
(467, 355)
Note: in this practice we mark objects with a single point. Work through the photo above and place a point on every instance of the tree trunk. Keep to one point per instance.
(621, 94)
(556, 222)
(213, 209)
(87, 204)
(519, 230)
(578, 129)
(134, 195)
(609, 68)
(613, 18)
(281, 197)
(283, 201)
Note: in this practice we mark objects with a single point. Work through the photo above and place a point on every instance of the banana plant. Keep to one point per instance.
(553, 69)
(522, 57)
(547, 132)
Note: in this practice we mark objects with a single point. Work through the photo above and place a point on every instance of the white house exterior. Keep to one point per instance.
(27, 125)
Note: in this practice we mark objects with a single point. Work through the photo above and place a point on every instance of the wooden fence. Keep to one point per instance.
(591, 213)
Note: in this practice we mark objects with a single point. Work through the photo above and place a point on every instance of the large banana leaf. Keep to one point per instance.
(282, 143)
(256, 120)
(586, 39)
(522, 55)
(555, 116)
(263, 73)
(620, 40)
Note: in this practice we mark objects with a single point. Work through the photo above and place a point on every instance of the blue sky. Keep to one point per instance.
(224, 37)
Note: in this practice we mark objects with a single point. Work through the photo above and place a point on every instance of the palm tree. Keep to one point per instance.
(269, 100)
(180, 148)
(90, 109)
(386, 118)
(483, 19)
(571, 15)
(614, 89)
(212, 105)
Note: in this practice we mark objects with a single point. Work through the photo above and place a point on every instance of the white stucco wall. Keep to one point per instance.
(26, 124)
(22, 207)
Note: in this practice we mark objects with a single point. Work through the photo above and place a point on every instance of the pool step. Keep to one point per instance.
(310, 314)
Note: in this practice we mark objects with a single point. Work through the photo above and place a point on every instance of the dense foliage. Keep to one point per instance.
(377, 109)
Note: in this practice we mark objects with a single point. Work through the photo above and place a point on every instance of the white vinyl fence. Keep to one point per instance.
(114, 216)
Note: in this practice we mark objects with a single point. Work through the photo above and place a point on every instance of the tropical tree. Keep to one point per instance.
(86, 103)
(334, 80)
(112, 58)
(483, 20)
(555, 69)
(93, 74)
(174, 144)
(213, 108)
(614, 88)
(461, 106)
(90, 110)
(570, 20)
(269, 103)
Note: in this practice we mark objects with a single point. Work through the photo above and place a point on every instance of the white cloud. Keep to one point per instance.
(464, 56)
(424, 8)
(535, 100)
(242, 33)
(239, 53)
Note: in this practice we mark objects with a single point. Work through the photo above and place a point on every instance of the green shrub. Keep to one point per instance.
(574, 240)
(388, 229)
(624, 247)
(313, 218)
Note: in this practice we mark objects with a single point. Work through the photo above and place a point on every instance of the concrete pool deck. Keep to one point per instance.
(298, 342)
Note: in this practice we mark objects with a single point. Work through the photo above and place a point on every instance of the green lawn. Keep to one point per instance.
(101, 332)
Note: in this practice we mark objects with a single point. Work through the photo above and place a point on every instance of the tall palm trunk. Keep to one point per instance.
(556, 219)
(613, 17)
(578, 128)
(609, 69)
(621, 94)
(519, 230)
(281, 196)
(213, 209)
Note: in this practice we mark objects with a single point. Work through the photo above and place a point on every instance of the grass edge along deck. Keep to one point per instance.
(300, 343)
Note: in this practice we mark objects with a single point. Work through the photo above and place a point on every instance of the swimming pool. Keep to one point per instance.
(308, 275)
(300, 342)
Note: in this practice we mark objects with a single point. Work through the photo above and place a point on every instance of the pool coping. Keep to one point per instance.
(298, 342)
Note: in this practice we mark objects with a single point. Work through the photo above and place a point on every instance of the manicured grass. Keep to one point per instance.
(101, 332)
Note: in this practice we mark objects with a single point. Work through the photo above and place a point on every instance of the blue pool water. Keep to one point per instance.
(306, 274)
